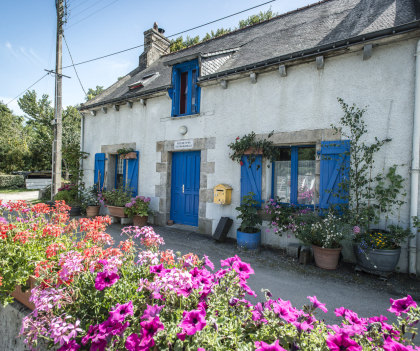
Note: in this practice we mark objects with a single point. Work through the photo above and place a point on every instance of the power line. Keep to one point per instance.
(46, 74)
(86, 8)
(75, 71)
(170, 36)
(93, 13)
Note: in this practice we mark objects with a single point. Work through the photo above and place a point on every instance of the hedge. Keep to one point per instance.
(11, 181)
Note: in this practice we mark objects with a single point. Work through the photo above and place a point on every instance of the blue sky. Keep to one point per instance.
(96, 28)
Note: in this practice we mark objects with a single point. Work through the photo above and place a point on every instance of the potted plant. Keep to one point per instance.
(70, 194)
(115, 201)
(248, 235)
(90, 199)
(127, 153)
(378, 251)
(250, 146)
(138, 209)
(325, 234)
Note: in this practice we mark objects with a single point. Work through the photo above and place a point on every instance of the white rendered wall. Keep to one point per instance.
(304, 100)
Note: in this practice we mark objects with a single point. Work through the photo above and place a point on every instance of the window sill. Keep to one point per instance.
(187, 116)
(196, 115)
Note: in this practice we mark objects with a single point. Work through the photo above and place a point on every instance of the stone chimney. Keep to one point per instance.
(155, 45)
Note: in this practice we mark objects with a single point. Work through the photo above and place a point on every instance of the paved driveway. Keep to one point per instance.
(24, 195)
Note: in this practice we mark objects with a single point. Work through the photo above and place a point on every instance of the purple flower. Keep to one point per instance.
(121, 311)
(156, 269)
(342, 341)
(262, 346)
(208, 263)
(193, 321)
(151, 312)
(401, 305)
(70, 346)
(317, 304)
(105, 279)
(392, 345)
(134, 343)
(244, 269)
(356, 229)
(150, 327)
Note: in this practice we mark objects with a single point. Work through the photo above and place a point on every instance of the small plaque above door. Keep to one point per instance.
(183, 144)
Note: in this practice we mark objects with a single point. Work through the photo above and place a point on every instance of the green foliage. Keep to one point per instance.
(259, 17)
(281, 215)
(94, 92)
(13, 141)
(248, 214)
(361, 183)
(250, 145)
(69, 194)
(179, 43)
(138, 206)
(125, 151)
(117, 197)
(11, 181)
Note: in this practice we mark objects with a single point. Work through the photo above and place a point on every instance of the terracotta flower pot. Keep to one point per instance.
(116, 211)
(326, 258)
(92, 211)
(129, 156)
(253, 151)
(140, 221)
(23, 297)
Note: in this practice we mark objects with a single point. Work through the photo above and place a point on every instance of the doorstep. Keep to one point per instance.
(187, 228)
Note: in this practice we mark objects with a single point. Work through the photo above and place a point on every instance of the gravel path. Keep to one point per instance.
(24, 195)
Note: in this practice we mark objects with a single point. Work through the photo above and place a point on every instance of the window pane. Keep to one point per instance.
(282, 175)
(306, 175)
(120, 171)
(184, 93)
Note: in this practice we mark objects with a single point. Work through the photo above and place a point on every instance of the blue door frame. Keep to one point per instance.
(185, 187)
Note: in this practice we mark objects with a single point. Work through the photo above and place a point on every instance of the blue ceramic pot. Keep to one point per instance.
(248, 241)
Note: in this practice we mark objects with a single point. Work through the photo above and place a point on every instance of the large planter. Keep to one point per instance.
(129, 156)
(382, 262)
(140, 221)
(75, 211)
(116, 211)
(248, 241)
(326, 258)
(92, 211)
(23, 297)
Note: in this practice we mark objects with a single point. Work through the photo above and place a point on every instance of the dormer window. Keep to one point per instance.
(186, 93)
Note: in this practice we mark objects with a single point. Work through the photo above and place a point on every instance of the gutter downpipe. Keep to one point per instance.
(415, 169)
(82, 137)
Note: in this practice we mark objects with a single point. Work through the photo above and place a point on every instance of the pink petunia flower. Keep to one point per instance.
(317, 304)
(263, 346)
(342, 341)
(402, 305)
(193, 321)
(121, 311)
(392, 345)
(105, 279)
(208, 263)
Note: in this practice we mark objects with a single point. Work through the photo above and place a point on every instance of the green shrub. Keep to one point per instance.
(11, 181)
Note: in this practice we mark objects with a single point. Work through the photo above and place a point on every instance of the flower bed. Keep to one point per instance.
(91, 295)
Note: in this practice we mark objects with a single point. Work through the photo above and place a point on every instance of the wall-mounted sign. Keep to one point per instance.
(183, 144)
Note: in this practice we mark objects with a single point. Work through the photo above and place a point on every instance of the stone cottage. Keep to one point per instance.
(180, 111)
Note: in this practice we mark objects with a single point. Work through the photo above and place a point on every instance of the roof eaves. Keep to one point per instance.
(317, 50)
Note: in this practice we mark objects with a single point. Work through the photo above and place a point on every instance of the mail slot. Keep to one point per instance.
(222, 194)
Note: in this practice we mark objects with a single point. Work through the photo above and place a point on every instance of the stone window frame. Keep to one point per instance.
(296, 138)
(163, 190)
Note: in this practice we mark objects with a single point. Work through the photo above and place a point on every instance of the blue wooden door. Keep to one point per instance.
(185, 187)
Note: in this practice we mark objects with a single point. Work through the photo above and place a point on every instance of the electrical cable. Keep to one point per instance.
(46, 74)
(93, 13)
(86, 8)
(75, 71)
(170, 36)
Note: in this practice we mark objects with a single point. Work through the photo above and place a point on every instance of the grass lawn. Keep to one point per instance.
(11, 191)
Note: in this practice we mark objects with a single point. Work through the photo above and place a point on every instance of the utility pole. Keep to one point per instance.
(58, 127)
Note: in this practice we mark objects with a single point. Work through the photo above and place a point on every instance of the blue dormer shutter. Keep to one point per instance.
(175, 91)
(99, 169)
(133, 174)
(251, 178)
(334, 172)
(196, 92)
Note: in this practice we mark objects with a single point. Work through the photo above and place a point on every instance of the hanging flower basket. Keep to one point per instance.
(129, 156)
(253, 151)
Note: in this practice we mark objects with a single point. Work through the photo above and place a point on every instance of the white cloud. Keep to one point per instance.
(28, 54)
(12, 51)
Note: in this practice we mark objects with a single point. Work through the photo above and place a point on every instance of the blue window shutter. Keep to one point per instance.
(197, 89)
(334, 170)
(99, 170)
(251, 178)
(175, 91)
(133, 174)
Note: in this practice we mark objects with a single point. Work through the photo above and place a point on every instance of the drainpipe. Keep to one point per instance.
(415, 165)
(82, 137)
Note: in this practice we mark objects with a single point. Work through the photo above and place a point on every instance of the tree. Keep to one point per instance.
(13, 141)
(179, 43)
(93, 92)
(39, 129)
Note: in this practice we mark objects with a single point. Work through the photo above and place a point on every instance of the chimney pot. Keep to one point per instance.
(155, 45)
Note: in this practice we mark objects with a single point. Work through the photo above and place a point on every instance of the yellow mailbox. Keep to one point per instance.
(222, 194)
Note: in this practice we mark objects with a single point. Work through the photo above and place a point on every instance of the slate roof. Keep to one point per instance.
(316, 25)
